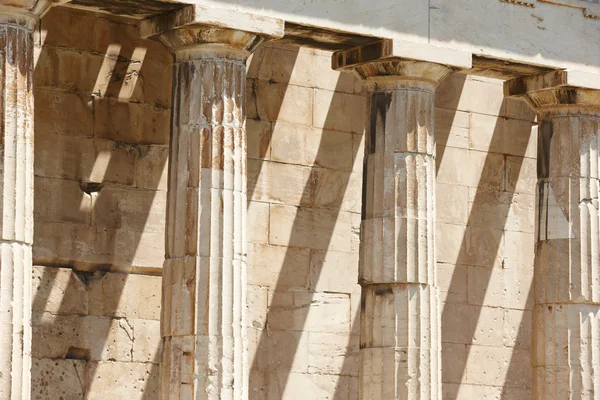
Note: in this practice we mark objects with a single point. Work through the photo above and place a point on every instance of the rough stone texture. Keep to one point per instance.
(16, 208)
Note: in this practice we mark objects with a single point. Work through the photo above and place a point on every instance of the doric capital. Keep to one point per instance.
(393, 60)
(195, 31)
(23, 12)
(557, 90)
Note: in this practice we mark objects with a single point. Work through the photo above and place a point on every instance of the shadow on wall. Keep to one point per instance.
(101, 146)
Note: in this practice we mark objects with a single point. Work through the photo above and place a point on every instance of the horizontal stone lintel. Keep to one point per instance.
(552, 80)
(215, 17)
(389, 49)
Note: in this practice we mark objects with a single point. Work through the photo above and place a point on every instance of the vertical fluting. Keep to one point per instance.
(204, 276)
(16, 209)
(566, 323)
(400, 332)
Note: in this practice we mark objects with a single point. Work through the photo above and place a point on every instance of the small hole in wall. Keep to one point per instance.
(78, 353)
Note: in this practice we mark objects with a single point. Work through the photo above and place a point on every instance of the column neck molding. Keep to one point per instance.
(401, 74)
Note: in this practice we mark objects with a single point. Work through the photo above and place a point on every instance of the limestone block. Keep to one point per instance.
(477, 324)
(488, 321)
(521, 175)
(519, 288)
(450, 245)
(114, 162)
(62, 156)
(470, 168)
(452, 204)
(62, 201)
(57, 379)
(131, 122)
(453, 354)
(462, 391)
(138, 252)
(69, 70)
(280, 102)
(259, 139)
(500, 135)
(309, 312)
(154, 80)
(320, 387)
(119, 380)
(498, 361)
(58, 291)
(151, 167)
(58, 26)
(518, 109)
(486, 286)
(519, 250)
(458, 92)
(283, 350)
(502, 210)
(483, 247)
(63, 113)
(452, 283)
(452, 128)
(126, 295)
(312, 228)
(329, 79)
(289, 65)
(278, 267)
(146, 340)
(256, 307)
(331, 354)
(280, 183)
(339, 111)
(258, 222)
(338, 190)
(126, 208)
(358, 150)
(517, 328)
(333, 271)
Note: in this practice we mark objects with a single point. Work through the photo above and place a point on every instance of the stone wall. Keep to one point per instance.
(102, 128)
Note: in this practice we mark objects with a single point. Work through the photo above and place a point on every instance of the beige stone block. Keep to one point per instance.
(61, 200)
(468, 324)
(67, 69)
(62, 156)
(256, 306)
(338, 190)
(521, 175)
(457, 92)
(288, 65)
(151, 167)
(452, 204)
(358, 150)
(139, 252)
(278, 267)
(258, 222)
(146, 340)
(453, 355)
(471, 168)
(517, 328)
(333, 354)
(452, 128)
(297, 385)
(155, 77)
(59, 25)
(339, 111)
(312, 228)
(488, 322)
(518, 288)
(462, 391)
(119, 380)
(309, 312)
(502, 210)
(131, 209)
(333, 271)
(518, 109)
(328, 79)
(489, 133)
(131, 122)
(251, 97)
(57, 379)
(114, 162)
(280, 102)
(519, 250)
(126, 295)
(58, 291)
(450, 244)
(283, 350)
(452, 283)
(486, 286)
(63, 113)
(484, 247)
(504, 366)
(280, 183)
(259, 139)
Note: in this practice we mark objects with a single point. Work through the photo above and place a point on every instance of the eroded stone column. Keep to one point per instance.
(204, 277)
(400, 322)
(16, 195)
(566, 320)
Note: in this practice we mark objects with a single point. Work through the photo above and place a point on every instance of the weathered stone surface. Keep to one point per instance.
(57, 379)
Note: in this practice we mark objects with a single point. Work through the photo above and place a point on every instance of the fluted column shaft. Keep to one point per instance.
(566, 339)
(16, 197)
(204, 277)
(400, 322)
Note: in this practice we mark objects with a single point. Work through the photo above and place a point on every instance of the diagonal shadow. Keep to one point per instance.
(121, 71)
(294, 315)
(468, 252)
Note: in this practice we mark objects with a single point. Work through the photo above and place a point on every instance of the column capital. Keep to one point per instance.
(24, 13)
(393, 60)
(196, 31)
(563, 89)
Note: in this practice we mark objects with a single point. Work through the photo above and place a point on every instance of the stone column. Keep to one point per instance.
(400, 322)
(16, 195)
(566, 320)
(204, 277)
